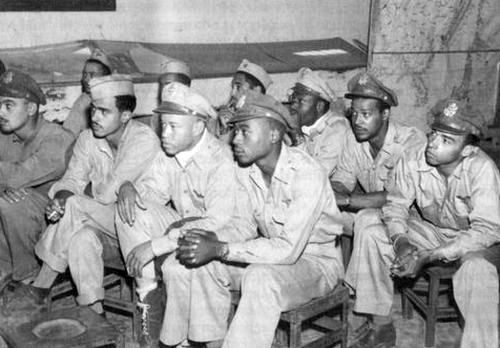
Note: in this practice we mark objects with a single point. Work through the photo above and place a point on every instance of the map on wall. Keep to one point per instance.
(57, 5)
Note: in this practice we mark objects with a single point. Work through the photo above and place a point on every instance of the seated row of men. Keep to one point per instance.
(262, 217)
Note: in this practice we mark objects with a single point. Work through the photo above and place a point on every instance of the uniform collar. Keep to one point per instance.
(425, 167)
(321, 123)
(104, 145)
(391, 138)
(184, 157)
(285, 168)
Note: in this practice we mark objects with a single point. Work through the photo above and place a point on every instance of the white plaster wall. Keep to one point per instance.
(192, 21)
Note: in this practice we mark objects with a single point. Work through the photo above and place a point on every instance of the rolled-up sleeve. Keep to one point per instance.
(76, 176)
(399, 199)
(304, 209)
(345, 172)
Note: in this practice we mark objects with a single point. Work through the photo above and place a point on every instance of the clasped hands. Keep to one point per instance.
(409, 260)
(198, 247)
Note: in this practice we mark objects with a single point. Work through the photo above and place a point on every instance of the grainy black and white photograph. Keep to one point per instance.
(249, 173)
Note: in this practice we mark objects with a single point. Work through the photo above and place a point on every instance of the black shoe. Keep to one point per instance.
(383, 336)
(30, 293)
(151, 312)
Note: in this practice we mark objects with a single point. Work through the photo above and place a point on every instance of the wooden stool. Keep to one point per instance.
(434, 284)
(316, 314)
(95, 331)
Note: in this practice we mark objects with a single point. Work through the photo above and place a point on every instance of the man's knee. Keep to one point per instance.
(373, 234)
(258, 279)
(84, 241)
(368, 216)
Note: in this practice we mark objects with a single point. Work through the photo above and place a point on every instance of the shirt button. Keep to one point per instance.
(185, 191)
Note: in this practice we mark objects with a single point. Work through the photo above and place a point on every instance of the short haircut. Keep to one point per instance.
(125, 103)
(253, 81)
(104, 68)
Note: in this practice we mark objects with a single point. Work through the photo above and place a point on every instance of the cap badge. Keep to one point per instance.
(363, 80)
(8, 77)
(450, 110)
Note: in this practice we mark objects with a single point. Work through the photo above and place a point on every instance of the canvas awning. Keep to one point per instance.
(61, 64)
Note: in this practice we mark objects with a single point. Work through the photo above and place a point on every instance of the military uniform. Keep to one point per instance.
(225, 112)
(324, 139)
(78, 118)
(33, 164)
(196, 186)
(358, 166)
(86, 231)
(459, 219)
(170, 71)
(281, 252)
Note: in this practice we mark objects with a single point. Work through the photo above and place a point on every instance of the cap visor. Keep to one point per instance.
(447, 129)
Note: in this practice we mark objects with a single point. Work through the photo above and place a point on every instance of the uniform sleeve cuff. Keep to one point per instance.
(163, 245)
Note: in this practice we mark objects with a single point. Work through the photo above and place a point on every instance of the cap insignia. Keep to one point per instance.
(450, 110)
(8, 77)
(363, 80)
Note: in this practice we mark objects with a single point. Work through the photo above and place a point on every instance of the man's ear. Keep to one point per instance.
(126, 116)
(467, 150)
(198, 126)
(32, 108)
(386, 113)
(275, 136)
(320, 107)
(258, 89)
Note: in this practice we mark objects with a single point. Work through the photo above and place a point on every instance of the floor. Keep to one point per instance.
(410, 333)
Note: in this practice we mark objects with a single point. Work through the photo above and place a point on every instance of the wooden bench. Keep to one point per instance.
(318, 314)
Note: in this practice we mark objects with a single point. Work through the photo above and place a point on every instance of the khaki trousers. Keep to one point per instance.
(475, 284)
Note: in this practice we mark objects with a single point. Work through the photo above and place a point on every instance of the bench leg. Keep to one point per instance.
(406, 306)
(345, 325)
(430, 320)
(295, 333)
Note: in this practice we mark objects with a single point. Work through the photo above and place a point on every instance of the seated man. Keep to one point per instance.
(115, 150)
(370, 154)
(78, 119)
(32, 156)
(248, 76)
(286, 253)
(171, 71)
(456, 188)
(323, 128)
(196, 178)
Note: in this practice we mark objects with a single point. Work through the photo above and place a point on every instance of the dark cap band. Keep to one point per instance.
(167, 107)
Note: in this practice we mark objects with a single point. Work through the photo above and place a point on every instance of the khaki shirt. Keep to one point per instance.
(35, 162)
(325, 139)
(93, 162)
(356, 163)
(466, 207)
(204, 186)
(295, 217)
